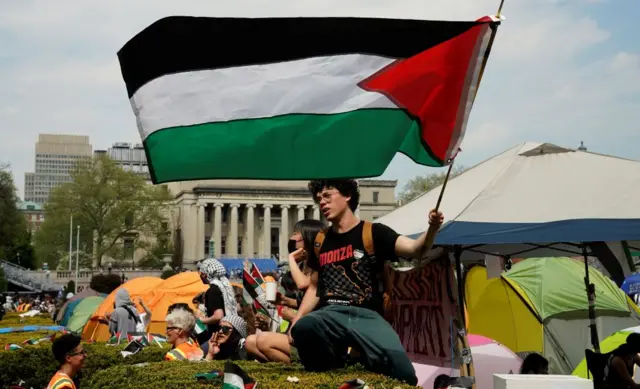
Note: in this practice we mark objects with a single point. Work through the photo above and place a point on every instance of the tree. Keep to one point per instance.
(15, 244)
(421, 184)
(109, 204)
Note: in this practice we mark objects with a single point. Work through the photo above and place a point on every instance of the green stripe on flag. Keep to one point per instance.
(188, 152)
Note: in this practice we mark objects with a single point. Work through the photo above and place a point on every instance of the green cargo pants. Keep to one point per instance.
(323, 337)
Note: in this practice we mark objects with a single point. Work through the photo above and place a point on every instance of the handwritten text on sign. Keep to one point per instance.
(423, 302)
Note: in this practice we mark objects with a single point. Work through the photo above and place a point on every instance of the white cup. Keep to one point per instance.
(271, 290)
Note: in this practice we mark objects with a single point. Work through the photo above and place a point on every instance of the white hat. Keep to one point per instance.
(69, 295)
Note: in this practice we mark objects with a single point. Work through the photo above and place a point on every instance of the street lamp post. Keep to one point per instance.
(77, 256)
(70, 242)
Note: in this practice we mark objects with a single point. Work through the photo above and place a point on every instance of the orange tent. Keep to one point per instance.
(97, 330)
(181, 288)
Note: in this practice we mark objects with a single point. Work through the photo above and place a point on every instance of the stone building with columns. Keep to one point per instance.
(255, 218)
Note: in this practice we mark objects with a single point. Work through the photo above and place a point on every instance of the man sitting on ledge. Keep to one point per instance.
(343, 305)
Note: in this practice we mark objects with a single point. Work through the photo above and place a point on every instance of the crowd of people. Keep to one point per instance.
(30, 305)
(331, 314)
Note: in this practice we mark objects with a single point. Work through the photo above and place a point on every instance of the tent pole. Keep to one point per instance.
(467, 371)
(591, 296)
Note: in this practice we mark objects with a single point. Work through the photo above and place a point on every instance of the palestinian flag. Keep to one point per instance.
(250, 285)
(143, 338)
(236, 378)
(243, 98)
(200, 327)
(31, 341)
(251, 291)
(255, 273)
(8, 347)
(115, 339)
(49, 338)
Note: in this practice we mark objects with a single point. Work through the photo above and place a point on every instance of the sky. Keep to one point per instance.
(561, 71)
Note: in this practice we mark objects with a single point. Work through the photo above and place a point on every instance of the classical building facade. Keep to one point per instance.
(254, 219)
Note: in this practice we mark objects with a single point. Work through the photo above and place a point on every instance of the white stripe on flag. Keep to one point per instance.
(232, 381)
(320, 85)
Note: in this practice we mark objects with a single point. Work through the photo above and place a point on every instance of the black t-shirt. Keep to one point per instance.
(346, 274)
(213, 300)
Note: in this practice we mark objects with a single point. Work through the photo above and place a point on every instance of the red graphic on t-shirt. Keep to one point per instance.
(337, 255)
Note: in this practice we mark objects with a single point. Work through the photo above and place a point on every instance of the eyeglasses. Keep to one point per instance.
(225, 330)
(81, 352)
(173, 328)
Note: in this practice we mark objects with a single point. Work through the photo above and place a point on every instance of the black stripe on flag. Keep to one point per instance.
(181, 43)
(232, 368)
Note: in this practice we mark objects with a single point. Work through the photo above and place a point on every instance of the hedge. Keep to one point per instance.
(180, 375)
(35, 364)
(107, 369)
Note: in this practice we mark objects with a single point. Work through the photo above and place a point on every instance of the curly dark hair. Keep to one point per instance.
(347, 188)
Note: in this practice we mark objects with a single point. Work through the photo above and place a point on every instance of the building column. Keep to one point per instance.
(217, 229)
(200, 231)
(250, 230)
(301, 209)
(233, 230)
(284, 231)
(316, 212)
(266, 245)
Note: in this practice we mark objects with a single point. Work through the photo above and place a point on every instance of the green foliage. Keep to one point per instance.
(3, 281)
(421, 184)
(167, 273)
(85, 261)
(180, 375)
(105, 283)
(109, 204)
(35, 364)
(14, 235)
(105, 368)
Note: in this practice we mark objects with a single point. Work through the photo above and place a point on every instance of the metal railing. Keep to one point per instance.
(34, 281)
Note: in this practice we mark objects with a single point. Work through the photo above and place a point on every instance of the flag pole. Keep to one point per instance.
(467, 368)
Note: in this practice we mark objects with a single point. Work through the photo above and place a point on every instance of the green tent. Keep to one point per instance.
(541, 306)
(83, 312)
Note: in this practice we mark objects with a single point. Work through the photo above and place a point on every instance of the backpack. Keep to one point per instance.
(367, 242)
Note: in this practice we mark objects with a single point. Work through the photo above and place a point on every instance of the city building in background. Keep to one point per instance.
(254, 218)
(130, 157)
(33, 214)
(56, 156)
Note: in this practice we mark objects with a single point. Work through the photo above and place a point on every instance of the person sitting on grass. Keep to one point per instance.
(180, 324)
(71, 356)
(229, 341)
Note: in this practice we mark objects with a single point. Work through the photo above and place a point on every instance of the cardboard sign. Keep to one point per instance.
(423, 306)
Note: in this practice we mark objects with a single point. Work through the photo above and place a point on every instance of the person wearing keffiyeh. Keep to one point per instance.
(219, 299)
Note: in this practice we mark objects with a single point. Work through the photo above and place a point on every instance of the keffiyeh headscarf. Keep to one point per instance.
(238, 323)
(217, 275)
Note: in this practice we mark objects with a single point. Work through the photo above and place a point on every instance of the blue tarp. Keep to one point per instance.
(631, 284)
(581, 230)
(30, 329)
(235, 266)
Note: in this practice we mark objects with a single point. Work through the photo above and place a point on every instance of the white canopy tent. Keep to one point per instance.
(534, 200)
